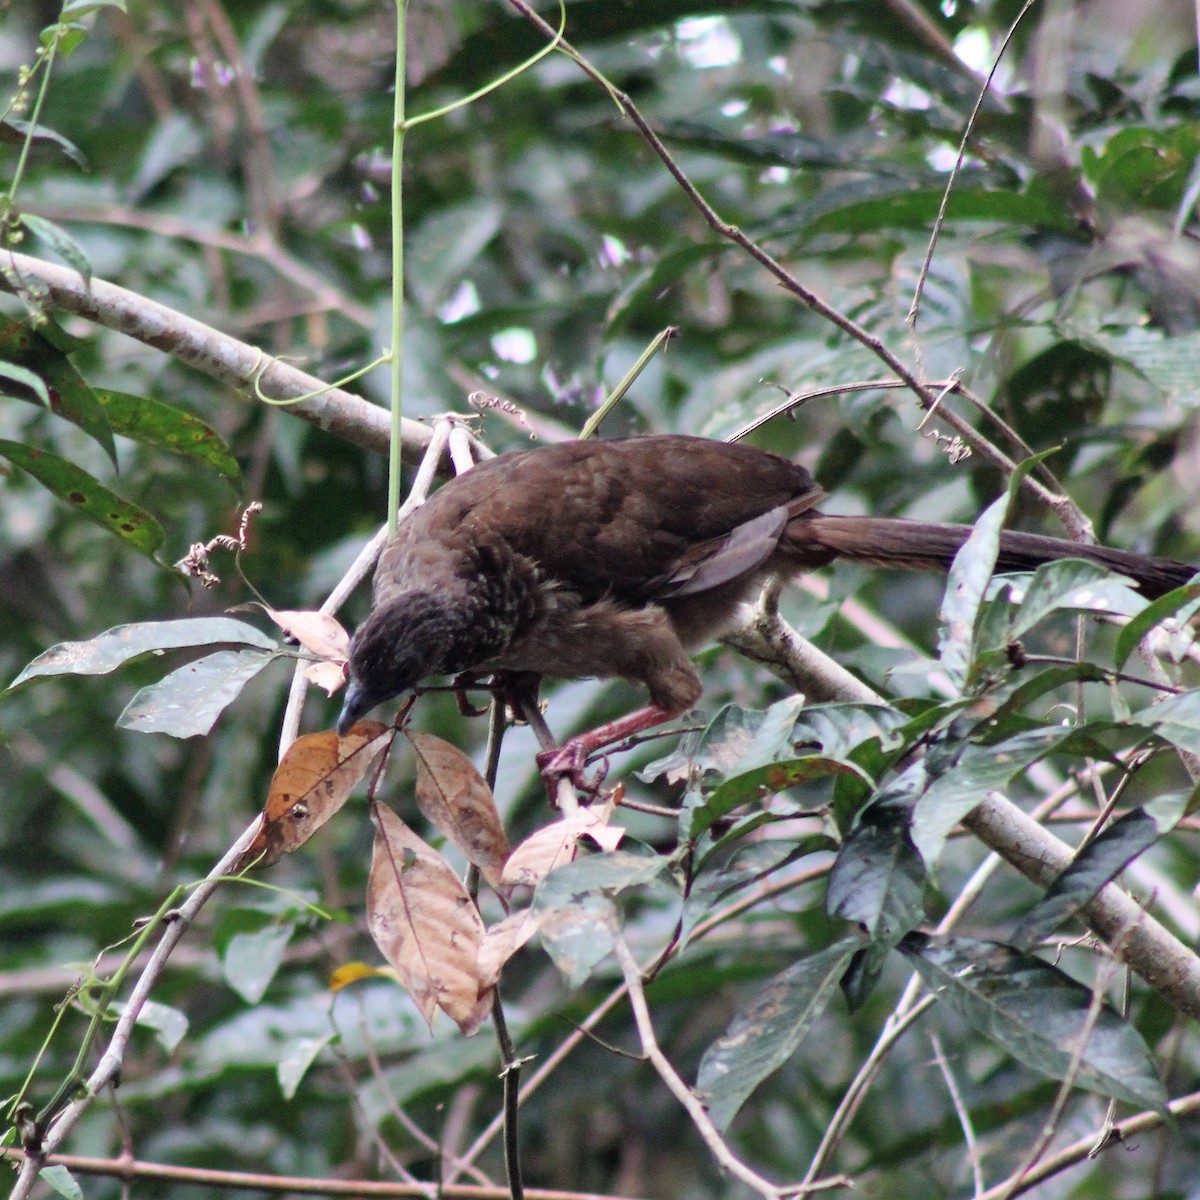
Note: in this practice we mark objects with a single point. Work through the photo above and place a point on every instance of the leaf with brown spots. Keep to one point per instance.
(455, 798)
(313, 781)
(88, 495)
(161, 425)
(425, 924)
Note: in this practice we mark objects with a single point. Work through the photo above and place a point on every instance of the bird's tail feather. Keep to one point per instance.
(816, 538)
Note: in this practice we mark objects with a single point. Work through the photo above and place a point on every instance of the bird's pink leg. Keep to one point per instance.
(569, 758)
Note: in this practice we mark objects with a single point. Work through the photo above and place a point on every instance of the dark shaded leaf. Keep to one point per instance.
(878, 878)
(765, 1034)
(70, 397)
(1039, 1014)
(1099, 862)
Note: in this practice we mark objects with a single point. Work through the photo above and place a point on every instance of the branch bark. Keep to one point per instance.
(216, 354)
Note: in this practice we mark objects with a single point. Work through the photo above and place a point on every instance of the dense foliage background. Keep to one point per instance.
(232, 162)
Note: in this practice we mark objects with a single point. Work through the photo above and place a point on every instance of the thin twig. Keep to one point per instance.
(717, 1145)
(964, 1117)
(109, 1067)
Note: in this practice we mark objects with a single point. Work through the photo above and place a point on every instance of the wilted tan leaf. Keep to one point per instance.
(502, 941)
(328, 676)
(317, 632)
(425, 924)
(455, 798)
(313, 781)
(553, 846)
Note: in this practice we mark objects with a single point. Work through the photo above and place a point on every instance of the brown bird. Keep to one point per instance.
(621, 558)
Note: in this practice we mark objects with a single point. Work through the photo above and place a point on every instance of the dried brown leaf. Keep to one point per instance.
(314, 779)
(425, 924)
(502, 941)
(455, 798)
(553, 846)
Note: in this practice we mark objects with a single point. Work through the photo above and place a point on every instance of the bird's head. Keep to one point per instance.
(397, 646)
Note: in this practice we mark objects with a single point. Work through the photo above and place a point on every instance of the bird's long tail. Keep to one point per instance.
(816, 538)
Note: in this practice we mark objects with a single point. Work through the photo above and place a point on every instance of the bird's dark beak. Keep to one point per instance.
(356, 704)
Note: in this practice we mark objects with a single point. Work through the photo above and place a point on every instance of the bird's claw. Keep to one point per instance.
(567, 762)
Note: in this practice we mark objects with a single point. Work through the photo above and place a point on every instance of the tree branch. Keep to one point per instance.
(232, 362)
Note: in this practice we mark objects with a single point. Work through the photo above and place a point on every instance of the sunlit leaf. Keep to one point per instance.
(188, 701)
(117, 646)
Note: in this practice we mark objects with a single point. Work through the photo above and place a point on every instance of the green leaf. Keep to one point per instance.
(840, 729)
(1176, 720)
(168, 1024)
(898, 205)
(1099, 862)
(575, 914)
(70, 397)
(188, 702)
(26, 380)
(446, 244)
(61, 1181)
(738, 739)
(250, 959)
(765, 1034)
(133, 525)
(74, 9)
(60, 241)
(1153, 614)
(40, 133)
(156, 424)
(979, 769)
(970, 572)
(298, 1055)
(1168, 362)
(754, 785)
(118, 645)
(1072, 583)
(1040, 1015)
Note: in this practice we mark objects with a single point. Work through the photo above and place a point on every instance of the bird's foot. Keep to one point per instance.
(567, 762)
